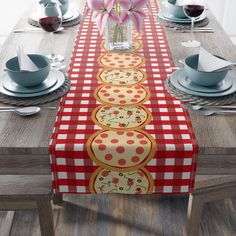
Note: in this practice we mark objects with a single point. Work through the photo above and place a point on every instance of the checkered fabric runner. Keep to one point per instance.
(174, 165)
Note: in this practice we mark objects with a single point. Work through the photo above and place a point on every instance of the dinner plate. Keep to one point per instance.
(174, 81)
(71, 15)
(187, 83)
(10, 85)
(54, 73)
(169, 17)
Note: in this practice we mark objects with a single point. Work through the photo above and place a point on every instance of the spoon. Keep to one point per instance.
(208, 112)
(35, 30)
(198, 107)
(24, 111)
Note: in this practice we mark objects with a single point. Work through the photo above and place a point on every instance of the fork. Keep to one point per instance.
(203, 30)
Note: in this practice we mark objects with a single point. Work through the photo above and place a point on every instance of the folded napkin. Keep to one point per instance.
(209, 63)
(25, 63)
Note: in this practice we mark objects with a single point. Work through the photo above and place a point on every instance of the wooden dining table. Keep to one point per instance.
(24, 141)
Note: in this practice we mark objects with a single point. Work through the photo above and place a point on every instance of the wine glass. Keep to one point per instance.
(50, 20)
(193, 9)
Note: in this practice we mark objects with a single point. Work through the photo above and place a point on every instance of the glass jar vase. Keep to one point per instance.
(117, 36)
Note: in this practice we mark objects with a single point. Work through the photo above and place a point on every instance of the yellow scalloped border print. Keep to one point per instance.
(115, 60)
(138, 181)
(122, 97)
(106, 160)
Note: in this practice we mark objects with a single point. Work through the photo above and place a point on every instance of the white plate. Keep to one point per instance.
(60, 81)
(71, 15)
(187, 83)
(10, 85)
(176, 84)
(168, 17)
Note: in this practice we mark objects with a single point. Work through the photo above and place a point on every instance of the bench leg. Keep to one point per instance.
(195, 206)
(57, 199)
(45, 218)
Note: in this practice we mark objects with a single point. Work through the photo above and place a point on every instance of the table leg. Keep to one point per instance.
(57, 199)
(195, 206)
(46, 218)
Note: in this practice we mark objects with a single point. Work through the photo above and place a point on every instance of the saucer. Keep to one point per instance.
(53, 73)
(71, 15)
(11, 86)
(187, 83)
(174, 81)
(164, 15)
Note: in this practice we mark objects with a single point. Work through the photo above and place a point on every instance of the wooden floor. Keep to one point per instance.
(120, 215)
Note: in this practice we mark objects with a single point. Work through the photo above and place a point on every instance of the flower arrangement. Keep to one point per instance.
(121, 13)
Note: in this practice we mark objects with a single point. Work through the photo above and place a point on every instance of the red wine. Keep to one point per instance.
(50, 24)
(193, 10)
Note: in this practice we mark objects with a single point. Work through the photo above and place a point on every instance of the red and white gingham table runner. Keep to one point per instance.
(174, 165)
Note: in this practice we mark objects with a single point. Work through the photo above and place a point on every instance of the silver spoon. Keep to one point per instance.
(24, 111)
(208, 112)
(34, 30)
(198, 107)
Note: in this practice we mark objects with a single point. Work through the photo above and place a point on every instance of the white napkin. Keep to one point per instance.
(209, 63)
(25, 63)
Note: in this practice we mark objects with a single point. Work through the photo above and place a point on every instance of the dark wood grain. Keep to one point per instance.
(23, 186)
(31, 136)
(122, 215)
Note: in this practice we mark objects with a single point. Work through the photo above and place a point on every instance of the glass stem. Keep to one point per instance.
(192, 28)
(52, 46)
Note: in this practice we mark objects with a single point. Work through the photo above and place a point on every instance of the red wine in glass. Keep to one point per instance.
(193, 10)
(50, 20)
(50, 24)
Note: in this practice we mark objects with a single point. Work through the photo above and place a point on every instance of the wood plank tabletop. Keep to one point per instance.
(24, 141)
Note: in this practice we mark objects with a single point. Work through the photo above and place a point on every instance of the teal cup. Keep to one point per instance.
(202, 78)
(28, 78)
(64, 6)
(175, 10)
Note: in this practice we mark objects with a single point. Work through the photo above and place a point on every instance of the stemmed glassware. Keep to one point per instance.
(193, 9)
(50, 20)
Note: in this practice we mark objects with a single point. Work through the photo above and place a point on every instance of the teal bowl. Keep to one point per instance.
(64, 6)
(28, 78)
(202, 78)
(176, 10)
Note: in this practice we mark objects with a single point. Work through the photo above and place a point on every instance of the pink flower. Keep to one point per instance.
(102, 10)
(133, 10)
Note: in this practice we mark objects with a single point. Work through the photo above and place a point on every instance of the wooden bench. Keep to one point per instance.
(207, 189)
(22, 192)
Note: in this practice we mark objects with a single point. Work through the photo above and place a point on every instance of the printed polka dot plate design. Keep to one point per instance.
(135, 47)
(121, 150)
(121, 61)
(125, 95)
